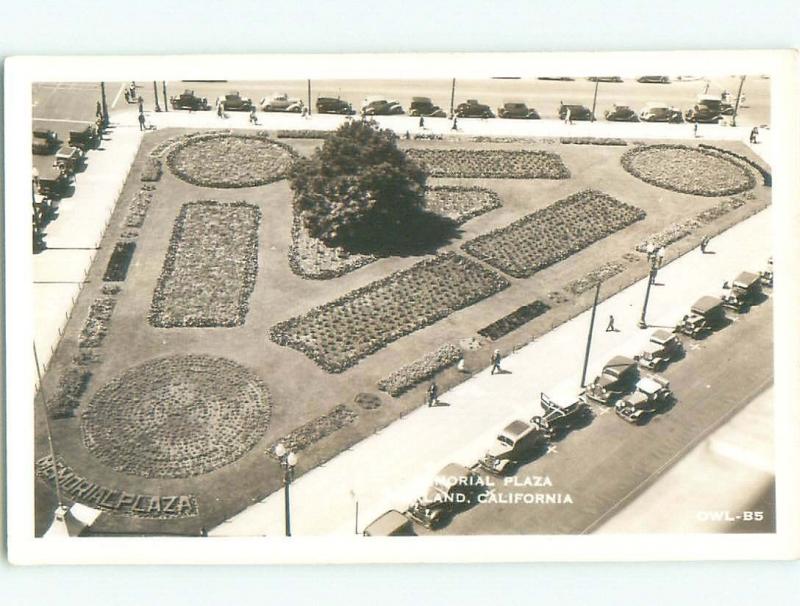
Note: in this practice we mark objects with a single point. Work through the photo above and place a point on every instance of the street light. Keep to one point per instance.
(650, 281)
(287, 460)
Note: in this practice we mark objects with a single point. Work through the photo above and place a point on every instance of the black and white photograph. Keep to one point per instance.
(432, 298)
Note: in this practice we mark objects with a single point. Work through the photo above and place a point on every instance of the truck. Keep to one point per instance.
(613, 380)
(707, 110)
(516, 441)
(704, 316)
(742, 292)
(84, 138)
(663, 347)
(652, 392)
(69, 159)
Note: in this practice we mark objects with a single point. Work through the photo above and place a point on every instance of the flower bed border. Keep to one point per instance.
(593, 141)
(516, 319)
(412, 374)
(119, 262)
(765, 174)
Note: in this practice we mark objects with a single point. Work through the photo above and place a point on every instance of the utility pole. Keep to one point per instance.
(589, 338)
(155, 94)
(47, 426)
(104, 103)
(594, 101)
(452, 98)
(164, 91)
(738, 98)
(309, 96)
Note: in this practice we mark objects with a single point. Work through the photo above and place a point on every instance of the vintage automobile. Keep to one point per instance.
(557, 78)
(85, 138)
(381, 106)
(70, 158)
(576, 112)
(517, 441)
(660, 112)
(707, 109)
(615, 378)
(472, 108)
(423, 106)
(767, 274)
(560, 415)
(742, 292)
(281, 102)
(234, 102)
(44, 142)
(653, 79)
(452, 489)
(188, 100)
(604, 79)
(704, 316)
(662, 348)
(652, 392)
(390, 524)
(517, 110)
(621, 113)
(52, 183)
(334, 105)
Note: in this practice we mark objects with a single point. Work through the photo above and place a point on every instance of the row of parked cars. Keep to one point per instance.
(631, 385)
(708, 108)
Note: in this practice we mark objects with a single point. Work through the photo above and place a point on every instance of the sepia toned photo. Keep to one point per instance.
(531, 302)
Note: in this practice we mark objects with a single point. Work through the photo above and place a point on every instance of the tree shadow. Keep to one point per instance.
(421, 233)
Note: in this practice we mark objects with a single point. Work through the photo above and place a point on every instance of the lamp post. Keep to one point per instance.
(651, 278)
(287, 460)
(589, 338)
(155, 94)
(104, 103)
(452, 97)
(164, 91)
(738, 99)
(594, 100)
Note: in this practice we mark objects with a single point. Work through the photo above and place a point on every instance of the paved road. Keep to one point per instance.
(390, 469)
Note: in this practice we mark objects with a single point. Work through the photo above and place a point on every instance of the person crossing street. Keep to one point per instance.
(496, 362)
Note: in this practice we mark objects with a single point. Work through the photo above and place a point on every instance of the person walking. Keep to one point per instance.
(433, 395)
(220, 110)
(253, 117)
(141, 105)
(127, 96)
(611, 327)
(660, 255)
(496, 362)
(704, 244)
(455, 123)
(568, 116)
(754, 135)
(141, 120)
(695, 130)
(422, 121)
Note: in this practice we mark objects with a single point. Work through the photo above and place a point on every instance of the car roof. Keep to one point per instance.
(451, 470)
(709, 98)
(706, 304)
(651, 347)
(619, 362)
(373, 98)
(515, 429)
(637, 397)
(746, 277)
(420, 99)
(622, 105)
(389, 522)
(66, 151)
(661, 336)
(648, 385)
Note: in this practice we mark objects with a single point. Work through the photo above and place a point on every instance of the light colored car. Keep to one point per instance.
(515, 442)
(281, 102)
(390, 524)
(660, 112)
(652, 392)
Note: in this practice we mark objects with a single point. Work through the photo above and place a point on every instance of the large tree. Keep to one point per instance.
(358, 187)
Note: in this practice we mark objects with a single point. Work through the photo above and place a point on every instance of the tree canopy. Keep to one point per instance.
(358, 186)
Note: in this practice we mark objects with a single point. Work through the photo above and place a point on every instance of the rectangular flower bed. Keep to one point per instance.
(460, 203)
(340, 333)
(313, 431)
(96, 326)
(152, 170)
(601, 274)
(406, 377)
(68, 392)
(210, 267)
(593, 141)
(514, 320)
(304, 134)
(490, 163)
(553, 233)
(117, 268)
(137, 207)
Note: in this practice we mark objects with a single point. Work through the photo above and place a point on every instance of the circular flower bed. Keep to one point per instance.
(688, 170)
(226, 160)
(177, 417)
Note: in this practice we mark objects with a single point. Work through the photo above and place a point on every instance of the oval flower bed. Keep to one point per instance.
(340, 333)
(553, 233)
(177, 417)
(227, 160)
(688, 170)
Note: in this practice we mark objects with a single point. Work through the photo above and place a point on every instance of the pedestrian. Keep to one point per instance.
(433, 395)
(141, 105)
(568, 116)
(651, 249)
(99, 110)
(496, 362)
(127, 96)
(422, 121)
(611, 327)
(695, 130)
(141, 121)
(754, 135)
(455, 123)
(221, 110)
(662, 252)
(704, 244)
(461, 366)
(253, 117)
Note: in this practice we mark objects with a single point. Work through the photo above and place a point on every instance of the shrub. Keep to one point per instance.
(117, 268)
(151, 170)
(406, 377)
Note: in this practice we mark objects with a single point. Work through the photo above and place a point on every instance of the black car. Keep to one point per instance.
(576, 112)
(653, 79)
(423, 106)
(334, 105)
(621, 113)
(188, 100)
(473, 109)
(44, 142)
(517, 110)
(604, 79)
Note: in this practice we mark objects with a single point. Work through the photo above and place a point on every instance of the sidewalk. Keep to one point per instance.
(392, 468)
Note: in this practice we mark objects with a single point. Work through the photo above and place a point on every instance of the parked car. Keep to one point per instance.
(452, 489)
(281, 102)
(560, 415)
(188, 100)
(742, 292)
(615, 378)
(660, 112)
(517, 110)
(517, 441)
(704, 316)
(621, 113)
(44, 142)
(472, 108)
(234, 102)
(557, 78)
(766, 275)
(52, 183)
(652, 392)
(84, 138)
(334, 105)
(576, 112)
(390, 524)
(707, 109)
(381, 106)
(662, 348)
(604, 79)
(653, 79)
(70, 158)
(423, 106)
